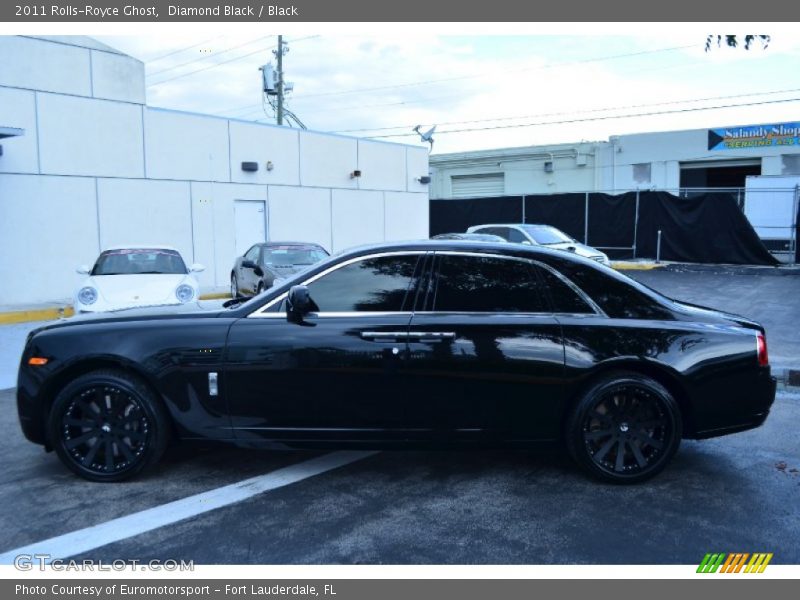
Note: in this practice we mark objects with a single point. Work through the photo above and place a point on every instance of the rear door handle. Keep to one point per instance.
(431, 336)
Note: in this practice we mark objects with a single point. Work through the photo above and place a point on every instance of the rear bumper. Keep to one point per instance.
(759, 400)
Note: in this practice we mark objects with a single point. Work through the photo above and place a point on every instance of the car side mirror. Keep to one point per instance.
(299, 304)
(83, 270)
(258, 271)
(197, 268)
(249, 264)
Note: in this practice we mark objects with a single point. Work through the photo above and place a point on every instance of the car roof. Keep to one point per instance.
(266, 244)
(476, 246)
(512, 225)
(141, 247)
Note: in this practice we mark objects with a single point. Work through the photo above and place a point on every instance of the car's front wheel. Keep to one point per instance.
(625, 428)
(108, 426)
(234, 286)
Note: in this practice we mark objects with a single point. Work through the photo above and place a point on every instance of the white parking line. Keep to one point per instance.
(83, 540)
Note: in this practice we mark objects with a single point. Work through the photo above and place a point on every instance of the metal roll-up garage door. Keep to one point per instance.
(478, 186)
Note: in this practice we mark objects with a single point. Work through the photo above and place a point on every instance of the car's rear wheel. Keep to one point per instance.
(108, 426)
(625, 428)
(234, 286)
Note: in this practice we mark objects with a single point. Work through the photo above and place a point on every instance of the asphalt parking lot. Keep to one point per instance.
(736, 493)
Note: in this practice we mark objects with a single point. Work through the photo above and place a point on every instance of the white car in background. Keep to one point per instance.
(541, 235)
(134, 276)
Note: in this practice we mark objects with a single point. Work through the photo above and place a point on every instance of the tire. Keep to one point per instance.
(234, 286)
(108, 426)
(625, 428)
(260, 288)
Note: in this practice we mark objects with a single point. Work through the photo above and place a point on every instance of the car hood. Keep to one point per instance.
(141, 290)
(580, 249)
(190, 310)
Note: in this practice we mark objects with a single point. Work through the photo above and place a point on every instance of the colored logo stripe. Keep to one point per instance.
(734, 562)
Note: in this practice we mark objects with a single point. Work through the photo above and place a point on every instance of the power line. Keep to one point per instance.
(602, 118)
(172, 68)
(225, 62)
(255, 108)
(525, 69)
(577, 112)
(179, 50)
(206, 68)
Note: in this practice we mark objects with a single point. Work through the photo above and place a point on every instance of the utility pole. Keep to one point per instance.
(279, 56)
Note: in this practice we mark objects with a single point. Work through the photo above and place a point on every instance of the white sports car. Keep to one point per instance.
(132, 276)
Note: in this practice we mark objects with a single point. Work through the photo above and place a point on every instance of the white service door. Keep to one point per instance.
(250, 218)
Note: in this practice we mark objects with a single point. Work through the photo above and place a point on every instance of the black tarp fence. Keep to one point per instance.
(704, 228)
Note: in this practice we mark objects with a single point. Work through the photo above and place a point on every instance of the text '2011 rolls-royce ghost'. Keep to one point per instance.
(417, 344)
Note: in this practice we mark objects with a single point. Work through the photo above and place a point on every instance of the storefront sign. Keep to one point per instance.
(754, 136)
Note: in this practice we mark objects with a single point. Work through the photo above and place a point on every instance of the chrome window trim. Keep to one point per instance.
(598, 312)
(261, 313)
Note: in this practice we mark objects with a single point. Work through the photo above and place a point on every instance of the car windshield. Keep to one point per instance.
(138, 261)
(546, 234)
(288, 256)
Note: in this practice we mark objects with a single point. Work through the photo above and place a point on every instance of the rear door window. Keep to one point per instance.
(487, 285)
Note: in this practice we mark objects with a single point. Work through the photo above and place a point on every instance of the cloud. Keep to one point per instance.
(382, 81)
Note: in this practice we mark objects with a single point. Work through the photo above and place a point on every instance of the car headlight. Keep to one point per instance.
(184, 293)
(87, 295)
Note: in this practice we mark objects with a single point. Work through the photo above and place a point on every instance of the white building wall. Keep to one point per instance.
(382, 166)
(95, 167)
(19, 153)
(185, 146)
(142, 211)
(609, 165)
(357, 217)
(251, 142)
(48, 228)
(328, 161)
(300, 214)
(402, 216)
(117, 77)
(32, 64)
(85, 136)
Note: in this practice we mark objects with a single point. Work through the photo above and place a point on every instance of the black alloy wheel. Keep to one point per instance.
(107, 426)
(234, 286)
(625, 429)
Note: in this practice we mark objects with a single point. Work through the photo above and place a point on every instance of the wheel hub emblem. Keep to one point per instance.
(106, 428)
(623, 427)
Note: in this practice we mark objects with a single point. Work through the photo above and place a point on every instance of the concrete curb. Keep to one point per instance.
(39, 314)
(621, 265)
(48, 313)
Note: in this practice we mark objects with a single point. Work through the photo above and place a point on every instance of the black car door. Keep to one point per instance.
(339, 374)
(486, 356)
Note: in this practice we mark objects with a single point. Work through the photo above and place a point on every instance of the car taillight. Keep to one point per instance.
(761, 350)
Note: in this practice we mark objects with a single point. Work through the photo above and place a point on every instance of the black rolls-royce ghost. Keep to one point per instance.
(430, 343)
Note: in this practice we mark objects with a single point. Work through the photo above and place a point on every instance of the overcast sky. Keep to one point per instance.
(383, 85)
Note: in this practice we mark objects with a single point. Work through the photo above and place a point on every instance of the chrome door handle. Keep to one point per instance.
(431, 336)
